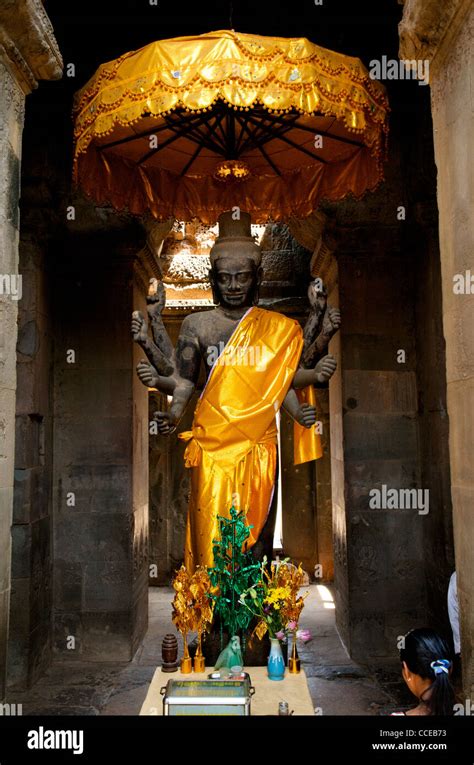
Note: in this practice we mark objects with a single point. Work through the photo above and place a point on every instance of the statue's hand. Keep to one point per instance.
(306, 415)
(166, 423)
(156, 299)
(325, 369)
(139, 327)
(331, 322)
(147, 374)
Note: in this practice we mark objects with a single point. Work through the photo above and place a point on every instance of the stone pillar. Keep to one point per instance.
(28, 52)
(374, 437)
(30, 644)
(442, 33)
(100, 477)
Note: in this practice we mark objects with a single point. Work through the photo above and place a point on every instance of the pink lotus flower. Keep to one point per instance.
(292, 626)
(280, 635)
(303, 635)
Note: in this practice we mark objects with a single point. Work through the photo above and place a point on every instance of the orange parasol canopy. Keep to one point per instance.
(193, 126)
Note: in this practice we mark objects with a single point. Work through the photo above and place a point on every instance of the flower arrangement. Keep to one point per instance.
(276, 602)
(293, 578)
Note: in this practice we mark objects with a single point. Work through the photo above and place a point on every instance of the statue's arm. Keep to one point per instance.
(317, 297)
(330, 325)
(156, 301)
(324, 321)
(188, 363)
(304, 414)
(160, 372)
(318, 376)
(173, 374)
(163, 366)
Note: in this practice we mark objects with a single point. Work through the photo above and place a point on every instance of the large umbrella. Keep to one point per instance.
(192, 126)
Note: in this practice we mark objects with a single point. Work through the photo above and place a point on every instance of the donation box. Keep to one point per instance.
(207, 697)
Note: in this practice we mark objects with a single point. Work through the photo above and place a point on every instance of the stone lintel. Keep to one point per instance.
(27, 43)
(428, 28)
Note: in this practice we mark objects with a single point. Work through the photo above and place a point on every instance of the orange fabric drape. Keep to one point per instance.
(232, 445)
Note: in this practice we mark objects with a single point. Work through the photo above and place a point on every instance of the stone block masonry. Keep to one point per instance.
(28, 52)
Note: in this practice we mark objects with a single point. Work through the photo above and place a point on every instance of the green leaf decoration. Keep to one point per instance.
(235, 571)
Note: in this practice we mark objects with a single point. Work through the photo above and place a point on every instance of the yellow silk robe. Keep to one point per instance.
(232, 444)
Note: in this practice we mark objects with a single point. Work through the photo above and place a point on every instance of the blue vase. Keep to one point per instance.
(275, 664)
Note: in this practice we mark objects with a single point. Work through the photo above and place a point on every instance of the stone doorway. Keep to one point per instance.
(389, 418)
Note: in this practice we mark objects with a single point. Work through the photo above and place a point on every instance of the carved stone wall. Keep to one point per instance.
(443, 33)
(11, 117)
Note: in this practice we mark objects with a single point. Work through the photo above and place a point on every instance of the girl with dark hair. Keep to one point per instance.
(426, 668)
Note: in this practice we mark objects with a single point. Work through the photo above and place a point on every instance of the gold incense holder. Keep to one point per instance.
(186, 665)
(186, 661)
(294, 663)
(199, 662)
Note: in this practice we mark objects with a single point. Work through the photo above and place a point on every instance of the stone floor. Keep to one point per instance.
(338, 686)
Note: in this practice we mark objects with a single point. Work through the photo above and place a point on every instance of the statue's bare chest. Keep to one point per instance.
(213, 335)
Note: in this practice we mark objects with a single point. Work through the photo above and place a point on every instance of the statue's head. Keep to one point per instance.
(235, 273)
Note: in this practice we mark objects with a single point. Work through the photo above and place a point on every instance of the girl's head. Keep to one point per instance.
(427, 662)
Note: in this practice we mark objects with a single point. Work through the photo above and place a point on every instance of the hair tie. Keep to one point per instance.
(440, 665)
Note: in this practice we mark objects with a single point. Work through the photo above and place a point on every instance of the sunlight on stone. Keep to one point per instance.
(326, 596)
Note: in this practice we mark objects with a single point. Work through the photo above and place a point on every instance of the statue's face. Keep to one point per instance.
(235, 281)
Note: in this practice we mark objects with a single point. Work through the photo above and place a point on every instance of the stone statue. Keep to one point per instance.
(256, 362)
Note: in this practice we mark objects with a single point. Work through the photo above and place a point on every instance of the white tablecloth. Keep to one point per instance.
(268, 693)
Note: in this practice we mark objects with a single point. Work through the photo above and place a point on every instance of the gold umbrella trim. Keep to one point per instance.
(243, 70)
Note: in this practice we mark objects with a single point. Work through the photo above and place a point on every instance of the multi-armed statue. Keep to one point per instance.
(256, 361)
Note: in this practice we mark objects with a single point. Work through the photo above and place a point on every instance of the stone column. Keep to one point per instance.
(442, 33)
(28, 52)
(100, 430)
